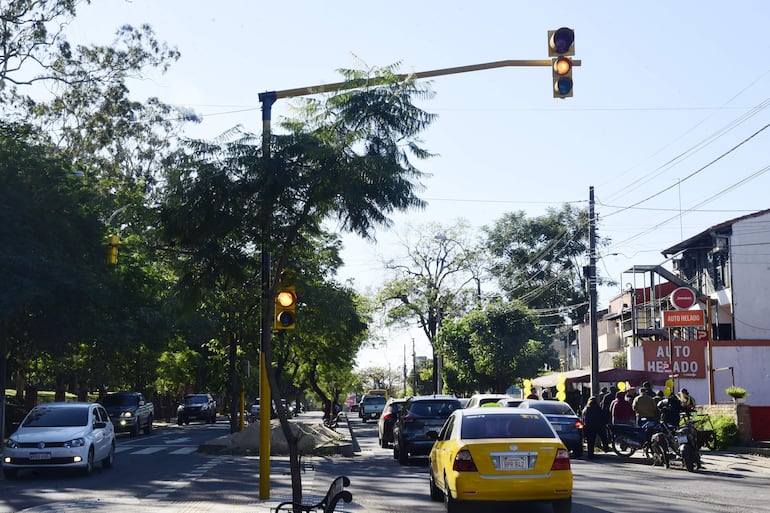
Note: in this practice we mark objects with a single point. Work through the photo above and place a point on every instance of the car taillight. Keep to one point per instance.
(561, 462)
(464, 462)
(387, 416)
(578, 424)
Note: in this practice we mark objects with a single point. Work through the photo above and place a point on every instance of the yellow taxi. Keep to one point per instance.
(500, 455)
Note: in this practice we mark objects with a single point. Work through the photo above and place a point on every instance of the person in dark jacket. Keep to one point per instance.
(594, 424)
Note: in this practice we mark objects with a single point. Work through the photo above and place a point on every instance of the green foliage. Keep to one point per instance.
(736, 392)
(494, 347)
(620, 360)
(726, 431)
(536, 260)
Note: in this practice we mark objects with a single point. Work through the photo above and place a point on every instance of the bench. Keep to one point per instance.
(328, 503)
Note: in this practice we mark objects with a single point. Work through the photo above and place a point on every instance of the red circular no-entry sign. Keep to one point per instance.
(683, 298)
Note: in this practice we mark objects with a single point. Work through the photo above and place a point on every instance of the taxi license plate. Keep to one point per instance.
(513, 463)
(682, 439)
(40, 456)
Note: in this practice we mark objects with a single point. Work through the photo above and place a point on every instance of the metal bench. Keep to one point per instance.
(328, 503)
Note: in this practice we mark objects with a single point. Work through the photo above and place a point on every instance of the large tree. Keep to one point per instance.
(438, 277)
(492, 348)
(348, 157)
(537, 260)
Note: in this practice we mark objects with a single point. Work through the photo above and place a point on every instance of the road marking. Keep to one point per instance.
(149, 450)
(185, 450)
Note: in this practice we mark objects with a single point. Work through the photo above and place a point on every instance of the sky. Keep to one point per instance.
(667, 123)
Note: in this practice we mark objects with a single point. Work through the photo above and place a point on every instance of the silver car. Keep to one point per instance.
(61, 436)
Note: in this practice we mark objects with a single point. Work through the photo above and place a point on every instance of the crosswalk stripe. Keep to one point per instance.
(185, 450)
(150, 450)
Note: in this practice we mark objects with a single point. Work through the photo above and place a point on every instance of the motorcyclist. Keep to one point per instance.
(670, 408)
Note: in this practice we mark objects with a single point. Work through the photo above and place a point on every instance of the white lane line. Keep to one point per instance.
(184, 450)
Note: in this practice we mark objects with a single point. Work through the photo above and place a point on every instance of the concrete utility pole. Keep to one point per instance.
(591, 277)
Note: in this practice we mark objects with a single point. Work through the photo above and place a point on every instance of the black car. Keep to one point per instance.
(564, 420)
(417, 416)
(387, 420)
(197, 407)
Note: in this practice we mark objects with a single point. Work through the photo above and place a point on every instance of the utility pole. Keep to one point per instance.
(591, 276)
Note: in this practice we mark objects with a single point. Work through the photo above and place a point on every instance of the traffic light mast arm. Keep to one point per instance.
(337, 86)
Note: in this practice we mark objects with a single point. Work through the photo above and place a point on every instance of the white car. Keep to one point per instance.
(61, 436)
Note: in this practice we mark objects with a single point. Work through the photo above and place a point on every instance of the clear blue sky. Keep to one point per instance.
(665, 89)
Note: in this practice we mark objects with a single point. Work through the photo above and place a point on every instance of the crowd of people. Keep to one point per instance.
(632, 408)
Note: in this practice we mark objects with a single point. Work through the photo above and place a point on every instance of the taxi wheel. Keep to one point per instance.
(562, 506)
(110, 459)
(452, 506)
(86, 471)
(435, 494)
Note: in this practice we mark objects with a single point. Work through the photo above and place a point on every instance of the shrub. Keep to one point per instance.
(726, 431)
(736, 392)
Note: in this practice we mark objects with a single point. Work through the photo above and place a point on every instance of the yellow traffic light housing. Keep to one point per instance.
(286, 308)
(112, 249)
(561, 46)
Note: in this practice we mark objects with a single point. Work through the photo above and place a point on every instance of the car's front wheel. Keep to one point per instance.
(86, 471)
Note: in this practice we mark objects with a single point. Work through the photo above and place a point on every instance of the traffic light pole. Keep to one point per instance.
(268, 99)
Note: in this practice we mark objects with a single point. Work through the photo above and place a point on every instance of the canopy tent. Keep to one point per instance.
(634, 377)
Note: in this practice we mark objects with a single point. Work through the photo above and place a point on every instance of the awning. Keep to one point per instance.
(633, 377)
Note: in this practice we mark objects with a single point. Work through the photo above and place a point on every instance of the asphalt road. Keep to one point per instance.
(162, 472)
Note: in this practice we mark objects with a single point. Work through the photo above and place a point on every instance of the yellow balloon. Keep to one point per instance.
(622, 386)
(667, 391)
(670, 383)
(562, 378)
(561, 387)
(527, 383)
(561, 396)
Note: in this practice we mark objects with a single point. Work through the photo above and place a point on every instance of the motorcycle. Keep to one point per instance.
(678, 443)
(626, 440)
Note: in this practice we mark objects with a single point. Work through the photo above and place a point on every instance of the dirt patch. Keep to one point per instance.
(314, 438)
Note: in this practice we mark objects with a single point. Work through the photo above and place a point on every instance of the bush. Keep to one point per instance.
(726, 431)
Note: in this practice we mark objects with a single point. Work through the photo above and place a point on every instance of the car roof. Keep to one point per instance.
(65, 405)
(433, 397)
(496, 411)
(547, 405)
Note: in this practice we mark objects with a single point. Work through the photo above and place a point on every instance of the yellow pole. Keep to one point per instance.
(264, 430)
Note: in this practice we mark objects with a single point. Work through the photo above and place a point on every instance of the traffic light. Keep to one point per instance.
(561, 46)
(286, 308)
(112, 249)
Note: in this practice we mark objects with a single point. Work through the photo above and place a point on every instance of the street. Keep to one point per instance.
(162, 472)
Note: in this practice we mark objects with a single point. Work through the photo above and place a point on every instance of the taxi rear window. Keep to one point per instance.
(505, 426)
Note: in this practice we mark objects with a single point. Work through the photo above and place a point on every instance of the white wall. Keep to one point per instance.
(750, 267)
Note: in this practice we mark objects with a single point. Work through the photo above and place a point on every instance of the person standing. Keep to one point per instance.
(644, 407)
(621, 411)
(594, 424)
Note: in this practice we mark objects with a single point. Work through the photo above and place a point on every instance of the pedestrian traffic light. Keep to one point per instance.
(286, 308)
(561, 46)
(112, 249)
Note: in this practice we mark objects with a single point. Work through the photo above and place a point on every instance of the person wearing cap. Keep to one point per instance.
(688, 403)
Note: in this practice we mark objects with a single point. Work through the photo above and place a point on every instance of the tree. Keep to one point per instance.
(431, 283)
(347, 158)
(536, 261)
(492, 348)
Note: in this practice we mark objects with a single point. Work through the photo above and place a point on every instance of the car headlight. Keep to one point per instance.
(127, 414)
(12, 444)
(77, 442)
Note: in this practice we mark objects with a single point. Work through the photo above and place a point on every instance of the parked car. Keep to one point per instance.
(499, 455)
(419, 415)
(477, 400)
(197, 407)
(510, 402)
(61, 436)
(565, 422)
(387, 420)
(371, 407)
